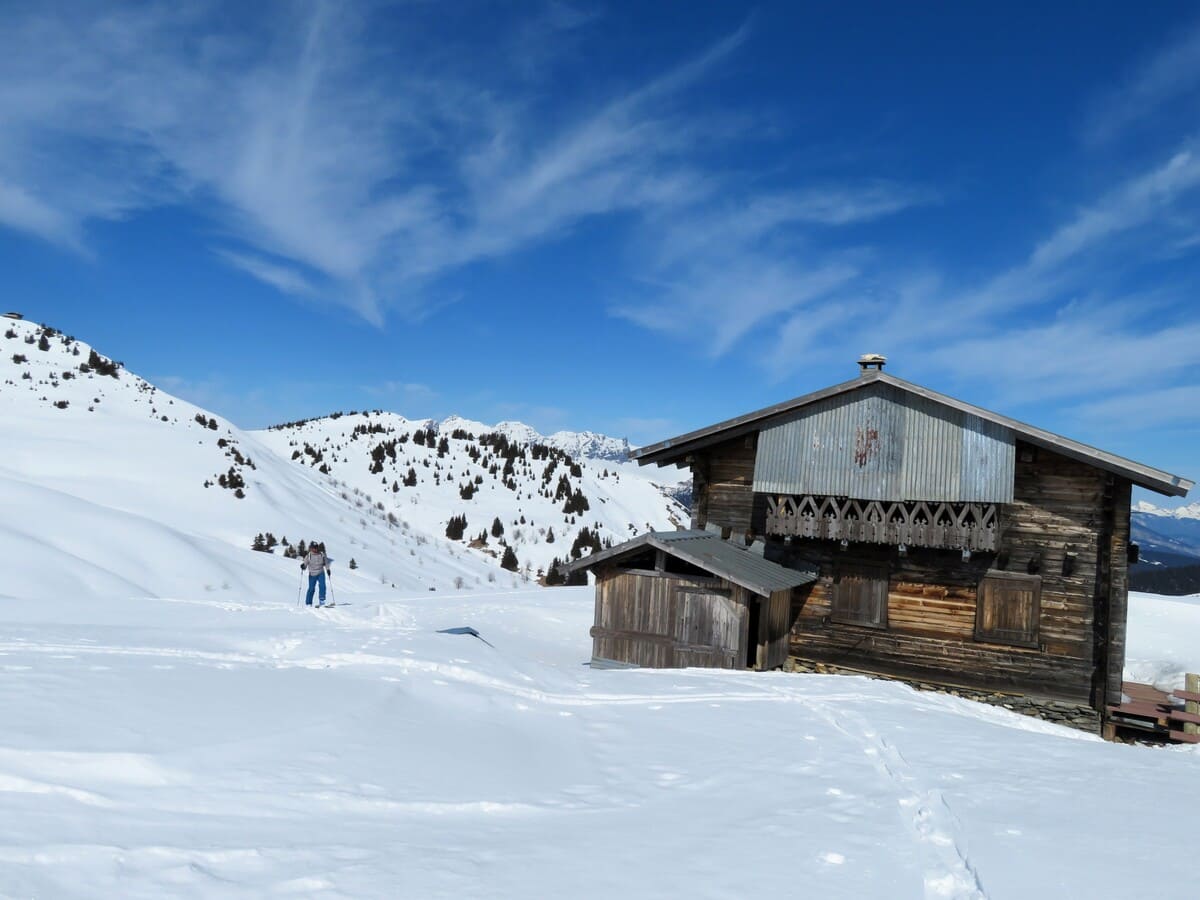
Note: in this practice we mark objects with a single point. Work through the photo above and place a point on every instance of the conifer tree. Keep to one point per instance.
(497, 527)
(353, 564)
(509, 560)
(553, 576)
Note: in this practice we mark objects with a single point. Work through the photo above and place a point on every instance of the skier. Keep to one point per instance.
(317, 565)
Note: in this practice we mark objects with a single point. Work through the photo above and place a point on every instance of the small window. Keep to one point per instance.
(860, 595)
(1007, 609)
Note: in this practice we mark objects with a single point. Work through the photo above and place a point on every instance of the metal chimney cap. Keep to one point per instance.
(870, 361)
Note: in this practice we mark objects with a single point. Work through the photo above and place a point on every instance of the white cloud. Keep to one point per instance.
(1171, 406)
(333, 175)
(717, 303)
(1171, 73)
(282, 278)
(1131, 204)
(717, 272)
(1058, 326)
(22, 211)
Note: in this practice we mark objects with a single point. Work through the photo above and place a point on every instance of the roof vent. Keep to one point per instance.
(869, 361)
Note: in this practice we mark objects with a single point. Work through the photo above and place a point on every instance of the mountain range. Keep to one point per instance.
(109, 481)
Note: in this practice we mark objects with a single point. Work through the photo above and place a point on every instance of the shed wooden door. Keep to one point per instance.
(708, 629)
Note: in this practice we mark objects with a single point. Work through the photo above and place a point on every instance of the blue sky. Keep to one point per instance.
(634, 218)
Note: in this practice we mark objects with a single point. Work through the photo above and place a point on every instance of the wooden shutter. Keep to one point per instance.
(860, 595)
(1007, 609)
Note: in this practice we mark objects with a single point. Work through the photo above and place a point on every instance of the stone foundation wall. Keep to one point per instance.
(1070, 714)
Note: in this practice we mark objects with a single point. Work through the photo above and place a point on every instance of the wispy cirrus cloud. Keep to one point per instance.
(717, 272)
(1089, 311)
(329, 174)
(331, 178)
(285, 279)
(1171, 74)
(1156, 408)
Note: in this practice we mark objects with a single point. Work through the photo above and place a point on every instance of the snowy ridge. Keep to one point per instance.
(1188, 511)
(542, 498)
(108, 480)
(590, 445)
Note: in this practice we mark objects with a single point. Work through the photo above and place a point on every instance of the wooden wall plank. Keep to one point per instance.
(931, 600)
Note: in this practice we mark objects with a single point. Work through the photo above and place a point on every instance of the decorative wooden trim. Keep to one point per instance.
(915, 523)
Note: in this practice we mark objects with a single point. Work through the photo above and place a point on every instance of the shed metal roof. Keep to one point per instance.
(711, 553)
(674, 449)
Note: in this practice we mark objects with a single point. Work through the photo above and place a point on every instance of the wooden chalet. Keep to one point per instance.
(952, 545)
(690, 598)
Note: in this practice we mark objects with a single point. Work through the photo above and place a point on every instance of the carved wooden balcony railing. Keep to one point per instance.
(952, 526)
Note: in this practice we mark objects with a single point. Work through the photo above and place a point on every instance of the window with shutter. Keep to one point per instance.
(1007, 609)
(860, 595)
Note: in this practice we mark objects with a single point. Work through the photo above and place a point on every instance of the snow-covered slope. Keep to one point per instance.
(237, 747)
(546, 492)
(112, 486)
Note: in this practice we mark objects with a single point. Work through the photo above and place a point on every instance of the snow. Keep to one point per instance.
(237, 746)
(624, 499)
(1187, 511)
(1164, 639)
(109, 485)
(175, 725)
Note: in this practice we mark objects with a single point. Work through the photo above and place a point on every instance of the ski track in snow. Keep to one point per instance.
(949, 873)
(224, 805)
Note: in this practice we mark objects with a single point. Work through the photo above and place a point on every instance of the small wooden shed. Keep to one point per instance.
(672, 599)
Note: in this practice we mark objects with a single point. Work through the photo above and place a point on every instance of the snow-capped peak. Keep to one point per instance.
(590, 445)
(1190, 511)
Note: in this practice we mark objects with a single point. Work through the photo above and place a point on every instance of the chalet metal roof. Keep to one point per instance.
(674, 449)
(711, 553)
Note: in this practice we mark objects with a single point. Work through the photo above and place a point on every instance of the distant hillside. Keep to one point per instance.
(1175, 581)
(111, 484)
(1169, 545)
(502, 491)
(1161, 537)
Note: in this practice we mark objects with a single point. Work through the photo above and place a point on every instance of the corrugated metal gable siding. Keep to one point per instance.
(881, 443)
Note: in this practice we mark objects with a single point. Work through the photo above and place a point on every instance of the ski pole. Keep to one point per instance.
(300, 587)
